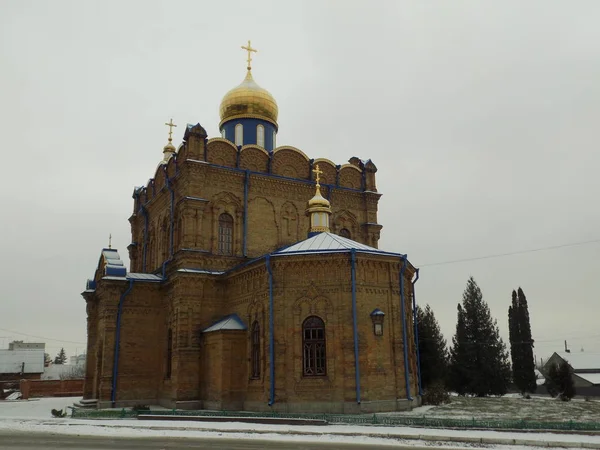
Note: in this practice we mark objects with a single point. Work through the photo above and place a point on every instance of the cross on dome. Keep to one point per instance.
(249, 49)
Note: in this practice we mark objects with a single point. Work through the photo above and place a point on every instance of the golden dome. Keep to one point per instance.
(318, 201)
(249, 100)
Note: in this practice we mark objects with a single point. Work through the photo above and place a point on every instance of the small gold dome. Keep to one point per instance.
(249, 100)
(318, 201)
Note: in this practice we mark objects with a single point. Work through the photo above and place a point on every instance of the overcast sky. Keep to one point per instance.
(482, 117)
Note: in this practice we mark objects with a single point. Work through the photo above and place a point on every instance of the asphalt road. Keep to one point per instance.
(37, 441)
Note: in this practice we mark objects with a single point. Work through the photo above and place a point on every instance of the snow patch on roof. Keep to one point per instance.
(582, 360)
(593, 378)
(323, 242)
(231, 322)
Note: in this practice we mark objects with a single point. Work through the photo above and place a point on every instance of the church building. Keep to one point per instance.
(255, 282)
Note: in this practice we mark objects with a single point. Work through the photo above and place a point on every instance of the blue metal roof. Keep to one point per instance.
(329, 243)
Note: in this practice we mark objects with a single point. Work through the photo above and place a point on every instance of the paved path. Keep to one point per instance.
(43, 441)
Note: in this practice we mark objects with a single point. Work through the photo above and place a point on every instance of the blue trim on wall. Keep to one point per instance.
(271, 334)
(355, 323)
(245, 237)
(415, 319)
(113, 394)
(404, 337)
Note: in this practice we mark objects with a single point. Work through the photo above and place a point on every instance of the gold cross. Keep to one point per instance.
(249, 49)
(110, 241)
(170, 125)
(317, 172)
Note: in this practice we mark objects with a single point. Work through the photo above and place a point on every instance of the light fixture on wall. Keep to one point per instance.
(377, 317)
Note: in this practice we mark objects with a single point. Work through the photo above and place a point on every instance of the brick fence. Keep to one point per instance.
(51, 388)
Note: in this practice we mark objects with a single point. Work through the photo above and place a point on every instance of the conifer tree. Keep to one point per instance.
(521, 343)
(560, 381)
(433, 354)
(61, 358)
(478, 359)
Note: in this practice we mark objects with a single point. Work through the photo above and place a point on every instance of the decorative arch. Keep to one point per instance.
(350, 176)
(254, 158)
(329, 175)
(344, 219)
(291, 162)
(226, 203)
(221, 152)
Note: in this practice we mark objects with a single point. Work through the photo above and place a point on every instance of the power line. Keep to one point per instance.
(41, 337)
(518, 252)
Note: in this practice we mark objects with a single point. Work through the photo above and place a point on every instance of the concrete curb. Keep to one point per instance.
(413, 437)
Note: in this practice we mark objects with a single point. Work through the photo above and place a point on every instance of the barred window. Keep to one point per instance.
(225, 234)
(314, 349)
(255, 351)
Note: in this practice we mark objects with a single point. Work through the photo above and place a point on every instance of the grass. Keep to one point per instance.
(540, 409)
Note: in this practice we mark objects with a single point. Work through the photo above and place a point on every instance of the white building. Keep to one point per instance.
(22, 358)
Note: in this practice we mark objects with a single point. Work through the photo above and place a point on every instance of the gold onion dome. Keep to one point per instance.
(249, 100)
(318, 201)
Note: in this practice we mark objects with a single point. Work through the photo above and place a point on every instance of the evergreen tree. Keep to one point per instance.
(61, 358)
(514, 338)
(433, 355)
(560, 381)
(47, 359)
(528, 378)
(521, 343)
(478, 359)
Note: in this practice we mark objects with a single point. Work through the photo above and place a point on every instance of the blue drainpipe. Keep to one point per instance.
(245, 237)
(271, 339)
(355, 323)
(415, 319)
(172, 220)
(404, 338)
(145, 248)
(113, 394)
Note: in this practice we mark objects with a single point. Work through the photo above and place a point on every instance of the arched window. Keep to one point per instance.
(239, 134)
(274, 134)
(314, 350)
(169, 353)
(344, 232)
(260, 135)
(255, 351)
(223, 134)
(225, 234)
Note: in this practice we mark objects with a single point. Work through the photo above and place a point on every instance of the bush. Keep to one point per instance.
(141, 408)
(436, 394)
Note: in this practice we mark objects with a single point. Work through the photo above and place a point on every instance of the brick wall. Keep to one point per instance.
(51, 388)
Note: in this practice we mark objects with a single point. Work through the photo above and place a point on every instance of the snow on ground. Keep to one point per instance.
(514, 407)
(35, 415)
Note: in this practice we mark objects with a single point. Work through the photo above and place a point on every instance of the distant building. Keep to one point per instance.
(586, 370)
(77, 360)
(22, 360)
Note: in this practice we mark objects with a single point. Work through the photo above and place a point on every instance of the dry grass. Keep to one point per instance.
(537, 408)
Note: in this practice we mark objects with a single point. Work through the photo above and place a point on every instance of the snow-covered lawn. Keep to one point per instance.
(542, 409)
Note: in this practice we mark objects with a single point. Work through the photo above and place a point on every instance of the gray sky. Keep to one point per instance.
(482, 118)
